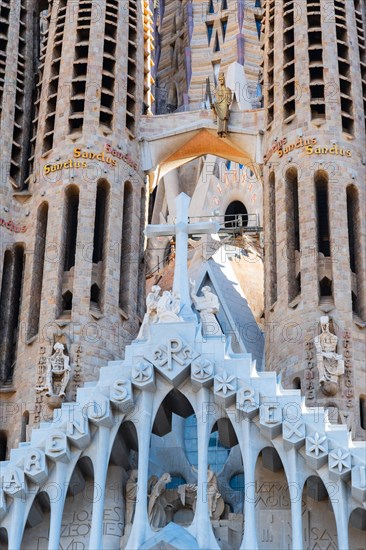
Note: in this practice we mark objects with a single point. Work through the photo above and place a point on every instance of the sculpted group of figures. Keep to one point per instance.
(165, 308)
(164, 503)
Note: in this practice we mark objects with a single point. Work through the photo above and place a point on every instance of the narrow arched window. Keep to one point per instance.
(131, 66)
(363, 411)
(126, 248)
(141, 264)
(354, 224)
(71, 224)
(10, 301)
(69, 239)
(100, 231)
(38, 268)
(272, 238)
(25, 422)
(293, 234)
(322, 208)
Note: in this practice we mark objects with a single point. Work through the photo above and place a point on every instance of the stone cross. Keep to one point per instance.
(181, 229)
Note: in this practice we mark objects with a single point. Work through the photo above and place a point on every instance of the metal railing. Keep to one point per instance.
(230, 224)
(233, 223)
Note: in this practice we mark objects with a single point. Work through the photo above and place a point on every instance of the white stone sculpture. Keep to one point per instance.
(207, 306)
(168, 307)
(160, 309)
(181, 229)
(151, 312)
(188, 494)
(58, 372)
(213, 493)
(131, 496)
(216, 503)
(330, 364)
(158, 503)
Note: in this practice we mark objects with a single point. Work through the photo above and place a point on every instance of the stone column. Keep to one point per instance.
(340, 509)
(100, 476)
(249, 460)
(295, 498)
(15, 534)
(204, 533)
(57, 505)
(140, 528)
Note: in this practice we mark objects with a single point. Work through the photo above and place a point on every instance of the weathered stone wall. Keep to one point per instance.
(293, 325)
(91, 338)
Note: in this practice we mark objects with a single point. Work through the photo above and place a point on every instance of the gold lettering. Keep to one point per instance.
(309, 150)
(77, 152)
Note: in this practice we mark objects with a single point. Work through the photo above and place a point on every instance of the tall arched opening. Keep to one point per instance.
(121, 487)
(38, 523)
(272, 501)
(77, 513)
(172, 463)
(357, 528)
(318, 515)
(236, 215)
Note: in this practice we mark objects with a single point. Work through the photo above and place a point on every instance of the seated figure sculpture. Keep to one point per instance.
(160, 309)
(188, 495)
(158, 503)
(330, 364)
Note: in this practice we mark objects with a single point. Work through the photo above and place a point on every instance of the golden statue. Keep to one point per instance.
(221, 106)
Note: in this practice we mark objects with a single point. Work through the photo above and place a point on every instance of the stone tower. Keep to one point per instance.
(314, 185)
(178, 438)
(68, 140)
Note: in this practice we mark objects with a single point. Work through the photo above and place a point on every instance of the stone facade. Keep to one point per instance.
(321, 103)
(84, 149)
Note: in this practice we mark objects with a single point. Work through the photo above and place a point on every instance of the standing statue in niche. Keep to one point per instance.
(131, 496)
(158, 503)
(221, 106)
(58, 372)
(213, 493)
(330, 363)
(207, 306)
(216, 504)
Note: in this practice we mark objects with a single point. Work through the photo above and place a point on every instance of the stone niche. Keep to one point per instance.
(77, 515)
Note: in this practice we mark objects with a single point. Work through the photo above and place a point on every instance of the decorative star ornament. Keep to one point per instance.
(224, 383)
(316, 444)
(339, 459)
